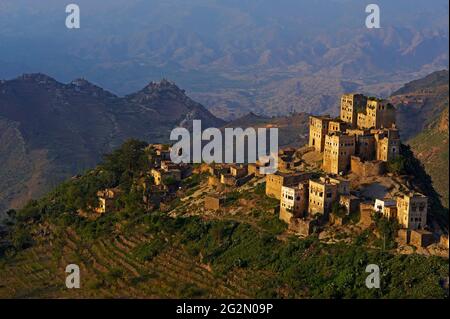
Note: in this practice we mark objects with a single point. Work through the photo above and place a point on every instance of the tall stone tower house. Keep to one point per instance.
(387, 144)
(351, 104)
(377, 114)
(318, 129)
(339, 147)
(412, 211)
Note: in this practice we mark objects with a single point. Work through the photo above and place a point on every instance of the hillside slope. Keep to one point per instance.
(50, 131)
(183, 250)
(423, 118)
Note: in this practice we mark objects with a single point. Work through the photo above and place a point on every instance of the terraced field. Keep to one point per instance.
(109, 270)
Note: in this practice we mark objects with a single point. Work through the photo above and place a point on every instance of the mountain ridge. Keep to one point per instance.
(72, 125)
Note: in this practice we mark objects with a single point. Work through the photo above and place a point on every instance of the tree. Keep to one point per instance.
(397, 165)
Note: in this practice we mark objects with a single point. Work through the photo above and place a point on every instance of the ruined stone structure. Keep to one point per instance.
(412, 210)
(303, 226)
(214, 202)
(228, 179)
(350, 202)
(107, 200)
(339, 147)
(238, 171)
(254, 169)
(366, 211)
(367, 168)
(160, 176)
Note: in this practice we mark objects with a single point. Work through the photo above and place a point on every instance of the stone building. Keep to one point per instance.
(214, 202)
(322, 194)
(387, 144)
(418, 238)
(351, 104)
(337, 125)
(366, 211)
(286, 162)
(443, 241)
(294, 201)
(365, 143)
(163, 154)
(238, 171)
(377, 114)
(318, 129)
(303, 226)
(228, 179)
(168, 165)
(274, 182)
(217, 170)
(412, 210)
(160, 176)
(255, 169)
(387, 207)
(107, 200)
(339, 148)
(367, 168)
(421, 238)
(350, 202)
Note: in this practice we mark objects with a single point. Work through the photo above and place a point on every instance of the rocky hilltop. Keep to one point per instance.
(50, 131)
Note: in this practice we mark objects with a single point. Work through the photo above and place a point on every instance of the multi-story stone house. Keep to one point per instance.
(412, 210)
(351, 104)
(318, 129)
(337, 125)
(387, 207)
(377, 114)
(322, 194)
(339, 148)
(387, 144)
(365, 144)
(294, 201)
(274, 182)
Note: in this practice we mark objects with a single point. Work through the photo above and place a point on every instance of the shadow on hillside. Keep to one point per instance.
(423, 181)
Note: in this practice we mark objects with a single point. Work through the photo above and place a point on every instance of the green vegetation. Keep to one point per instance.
(397, 165)
(137, 249)
(147, 251)
(387, 230)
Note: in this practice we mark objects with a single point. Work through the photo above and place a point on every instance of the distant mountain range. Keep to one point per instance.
(50, 131)
(233, 56)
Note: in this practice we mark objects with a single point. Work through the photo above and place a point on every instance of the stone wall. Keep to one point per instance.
(366, 211)
(367, 168)
(213, 203)
(285, 215)
(301, 226)
(421, 238)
